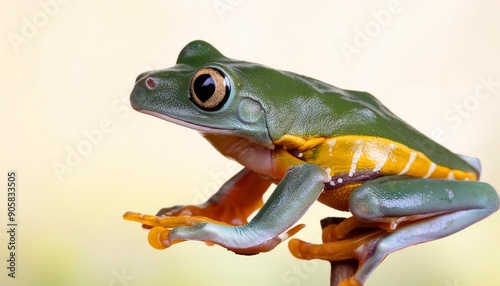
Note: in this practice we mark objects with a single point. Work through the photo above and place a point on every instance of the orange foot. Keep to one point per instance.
(219, 211)
(158, 236)
(337, 248)
(160, 226)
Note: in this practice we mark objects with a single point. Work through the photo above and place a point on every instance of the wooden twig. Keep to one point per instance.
(340, 270)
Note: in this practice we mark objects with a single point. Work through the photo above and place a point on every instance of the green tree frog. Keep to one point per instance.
(316, 142)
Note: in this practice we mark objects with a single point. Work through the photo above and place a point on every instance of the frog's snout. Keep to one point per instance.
(138, 94)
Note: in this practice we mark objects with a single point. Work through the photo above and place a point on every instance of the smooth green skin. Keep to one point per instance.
(285, 100)
(266, 104)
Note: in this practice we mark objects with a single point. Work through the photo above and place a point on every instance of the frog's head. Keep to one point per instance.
(203, 92)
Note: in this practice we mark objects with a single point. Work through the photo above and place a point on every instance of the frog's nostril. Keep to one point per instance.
(151, 83)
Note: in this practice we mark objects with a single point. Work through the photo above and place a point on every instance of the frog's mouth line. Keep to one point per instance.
(197, 127)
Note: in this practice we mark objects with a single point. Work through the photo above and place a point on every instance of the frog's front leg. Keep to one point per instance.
(235, 201)
(298, 189)
(425, 209)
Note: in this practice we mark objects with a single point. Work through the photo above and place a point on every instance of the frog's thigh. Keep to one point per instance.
(396, 196)
(299, 188)
(456, 205)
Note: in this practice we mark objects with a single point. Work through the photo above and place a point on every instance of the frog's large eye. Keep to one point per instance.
(209, 89)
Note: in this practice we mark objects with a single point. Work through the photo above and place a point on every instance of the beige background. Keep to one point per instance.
(67, 68)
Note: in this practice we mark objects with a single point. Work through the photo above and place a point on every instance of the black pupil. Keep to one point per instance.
(204, 87)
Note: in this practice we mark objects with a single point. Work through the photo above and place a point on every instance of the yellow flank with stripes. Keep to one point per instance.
(352, 154)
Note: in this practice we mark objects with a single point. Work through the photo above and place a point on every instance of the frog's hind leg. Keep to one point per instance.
(456, 205)
(413, 210)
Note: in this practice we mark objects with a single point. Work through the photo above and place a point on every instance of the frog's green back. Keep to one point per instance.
(302, 106)
(323, 110)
